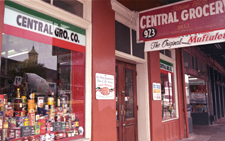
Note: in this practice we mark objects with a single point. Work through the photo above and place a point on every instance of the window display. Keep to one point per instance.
(38, 90)
(42, 77)
(167, 90)
(198, 98)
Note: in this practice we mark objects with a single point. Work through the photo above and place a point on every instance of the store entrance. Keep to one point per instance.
(126, 101)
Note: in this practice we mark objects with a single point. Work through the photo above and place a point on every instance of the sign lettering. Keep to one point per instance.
(181, 18)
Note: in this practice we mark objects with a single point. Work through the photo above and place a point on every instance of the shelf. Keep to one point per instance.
(35, 136)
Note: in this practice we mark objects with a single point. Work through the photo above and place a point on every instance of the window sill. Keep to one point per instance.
(82, 139)
(166, 120)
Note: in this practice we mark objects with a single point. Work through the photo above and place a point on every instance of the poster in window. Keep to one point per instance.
(156, 91)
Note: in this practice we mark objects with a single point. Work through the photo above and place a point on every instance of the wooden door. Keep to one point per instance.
(126, 101)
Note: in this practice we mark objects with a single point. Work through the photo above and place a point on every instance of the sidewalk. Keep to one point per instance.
(215, 132)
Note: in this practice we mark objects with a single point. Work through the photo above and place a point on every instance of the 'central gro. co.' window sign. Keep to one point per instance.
(26, 23)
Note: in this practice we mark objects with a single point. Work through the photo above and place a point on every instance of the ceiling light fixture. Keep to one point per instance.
(223, 56)
(218, 46)
(193, 78)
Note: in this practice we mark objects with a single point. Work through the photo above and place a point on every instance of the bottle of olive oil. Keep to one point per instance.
(18, 101)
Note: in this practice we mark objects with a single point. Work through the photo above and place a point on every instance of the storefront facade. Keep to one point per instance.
(86, 52)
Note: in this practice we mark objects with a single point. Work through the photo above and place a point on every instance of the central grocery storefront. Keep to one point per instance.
(43, 62)
(73, 70)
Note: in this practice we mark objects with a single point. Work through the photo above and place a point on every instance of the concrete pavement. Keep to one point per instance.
(215, 132)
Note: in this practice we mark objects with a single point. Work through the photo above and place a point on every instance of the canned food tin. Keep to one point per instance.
(11, 134)
(31, 110)
(4, 134)
(22, 113)
(17, 133)
(52, 107)
(26, 122)
(42, 137)
(52, 136)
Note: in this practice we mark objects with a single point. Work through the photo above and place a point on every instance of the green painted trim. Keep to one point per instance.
(167, 63)
(19, 8)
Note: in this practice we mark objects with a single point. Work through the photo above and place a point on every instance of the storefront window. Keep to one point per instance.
(42, 77)
(72, 6)
(193, 63)
(198, 96)
(166, 52)
(186, 59)
(199, 64)
(167, 90)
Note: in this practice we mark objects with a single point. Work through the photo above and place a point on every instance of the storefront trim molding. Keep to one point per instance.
(55, 12)
(128, 58)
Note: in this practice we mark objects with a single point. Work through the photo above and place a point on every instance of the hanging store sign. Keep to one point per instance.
(156, 91)
(196, 82)
(186, 41)
(29, 24)
(181, 18)
(104, 86)
(164, 65)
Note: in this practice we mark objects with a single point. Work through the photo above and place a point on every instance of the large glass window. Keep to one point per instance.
(198, 96)
(52, 77)
(167, 90)
(42, 76)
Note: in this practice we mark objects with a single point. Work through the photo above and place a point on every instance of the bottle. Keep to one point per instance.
(18, 101)
(6, 123)
(5, 99)
(77, 122)
(37, 116)
(24, 102)
(58, 101)
(51, 99)
(64, 100)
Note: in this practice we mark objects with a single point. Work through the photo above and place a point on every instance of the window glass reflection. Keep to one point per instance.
(167, 91)
(72, 6)
(129, 94)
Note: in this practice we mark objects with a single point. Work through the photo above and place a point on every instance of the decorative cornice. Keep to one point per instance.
(124, 15)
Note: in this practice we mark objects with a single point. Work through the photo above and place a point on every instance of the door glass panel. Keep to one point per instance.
(129, 94)
(117, 102)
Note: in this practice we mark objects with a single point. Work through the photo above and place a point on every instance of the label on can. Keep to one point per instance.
(17, 133)
(24, 99)
(4, 134)
(11, 134)
(42, 137)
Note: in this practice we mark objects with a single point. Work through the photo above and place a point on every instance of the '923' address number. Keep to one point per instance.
(149, 33)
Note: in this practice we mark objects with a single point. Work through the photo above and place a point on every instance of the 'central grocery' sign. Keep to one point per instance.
(182, 18)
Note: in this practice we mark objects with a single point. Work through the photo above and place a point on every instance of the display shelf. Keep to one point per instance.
(36, 136)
